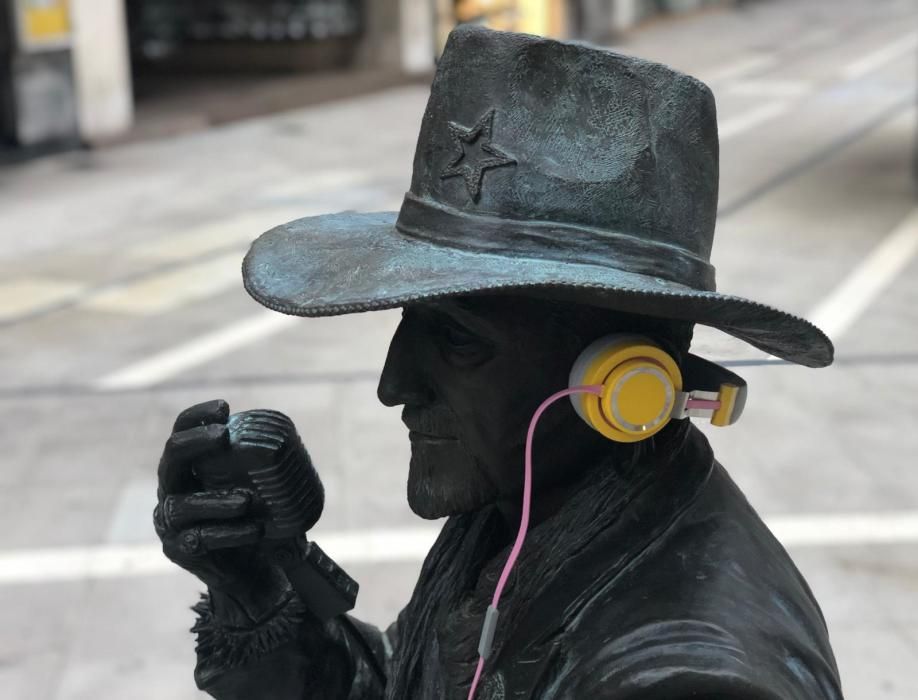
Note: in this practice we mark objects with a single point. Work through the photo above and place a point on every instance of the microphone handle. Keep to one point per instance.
(265, 453)
(323, 586)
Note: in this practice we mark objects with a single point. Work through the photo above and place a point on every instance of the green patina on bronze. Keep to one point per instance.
(544, 169)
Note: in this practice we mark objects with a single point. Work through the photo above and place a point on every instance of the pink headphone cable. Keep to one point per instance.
(490, 623)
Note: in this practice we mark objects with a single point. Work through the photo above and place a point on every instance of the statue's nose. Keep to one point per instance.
(403, 377)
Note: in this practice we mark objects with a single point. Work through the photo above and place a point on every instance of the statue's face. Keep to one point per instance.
(470, 372)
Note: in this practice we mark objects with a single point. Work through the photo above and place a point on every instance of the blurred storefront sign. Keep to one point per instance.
(545, 17)
(592, 20)
(43, 25)
(234, 34)
(37, 92)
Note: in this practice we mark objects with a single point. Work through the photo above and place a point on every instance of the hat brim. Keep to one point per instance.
(353, 262)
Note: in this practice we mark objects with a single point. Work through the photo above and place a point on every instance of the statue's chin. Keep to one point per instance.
(444, 480)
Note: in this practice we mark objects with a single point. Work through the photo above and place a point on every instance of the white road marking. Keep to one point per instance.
(757, 116)
(169, 290)
(815, 37)
(845, 529)
(214, 235)
(122, 561)
(169, 363)
(839, 310)
(771, 88)
(321, 182)
(740, 68)
(879, 58)
(78, 563)
(410, 545)
(131, 521)
(19, 297)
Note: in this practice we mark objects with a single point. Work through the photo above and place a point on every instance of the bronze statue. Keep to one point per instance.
(560, 193)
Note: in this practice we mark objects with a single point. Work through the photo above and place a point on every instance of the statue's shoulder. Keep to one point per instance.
(715, 607)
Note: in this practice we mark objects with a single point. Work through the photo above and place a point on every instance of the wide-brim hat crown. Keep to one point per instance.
(543, 168)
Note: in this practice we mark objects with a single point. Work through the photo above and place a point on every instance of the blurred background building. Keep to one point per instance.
(86, 71)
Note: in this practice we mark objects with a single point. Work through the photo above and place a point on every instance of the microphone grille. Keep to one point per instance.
(285, 480)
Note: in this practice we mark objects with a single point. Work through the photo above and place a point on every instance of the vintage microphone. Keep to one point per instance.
(267, 456)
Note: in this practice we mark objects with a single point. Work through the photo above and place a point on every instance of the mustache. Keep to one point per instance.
(437, 421)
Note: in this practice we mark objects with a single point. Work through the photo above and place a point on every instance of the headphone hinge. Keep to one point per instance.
(681, 408)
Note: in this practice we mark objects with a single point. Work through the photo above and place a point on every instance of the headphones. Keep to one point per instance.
(643, 388)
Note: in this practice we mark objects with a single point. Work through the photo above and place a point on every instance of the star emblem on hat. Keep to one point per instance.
(471, 164)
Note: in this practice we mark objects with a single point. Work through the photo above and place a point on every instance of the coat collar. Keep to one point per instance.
(603, 528)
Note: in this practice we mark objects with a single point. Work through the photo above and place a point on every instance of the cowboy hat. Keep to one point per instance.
(542, 168)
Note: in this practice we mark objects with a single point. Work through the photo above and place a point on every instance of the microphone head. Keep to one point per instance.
(268, 451)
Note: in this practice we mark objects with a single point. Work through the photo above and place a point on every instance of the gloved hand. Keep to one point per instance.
(212, 533)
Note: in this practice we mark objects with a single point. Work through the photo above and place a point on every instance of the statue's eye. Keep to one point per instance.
(457, 338)
(461, 347)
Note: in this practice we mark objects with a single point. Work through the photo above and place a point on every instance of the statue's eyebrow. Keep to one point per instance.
(464, 313)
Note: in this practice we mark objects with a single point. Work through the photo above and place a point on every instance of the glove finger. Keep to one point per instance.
(180, 511)
(195, 543)
(206, 413)
(182, 450)
(159, 522)
(228, 536)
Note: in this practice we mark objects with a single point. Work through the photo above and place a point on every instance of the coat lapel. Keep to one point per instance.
(449, 574)
(567, 560)
(602, 529)
(638, 523)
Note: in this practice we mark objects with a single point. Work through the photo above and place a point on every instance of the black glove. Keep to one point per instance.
(213, 533)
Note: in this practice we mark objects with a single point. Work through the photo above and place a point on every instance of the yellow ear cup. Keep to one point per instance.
(640, 382)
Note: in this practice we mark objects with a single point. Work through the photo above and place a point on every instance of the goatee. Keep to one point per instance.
(443, 480)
